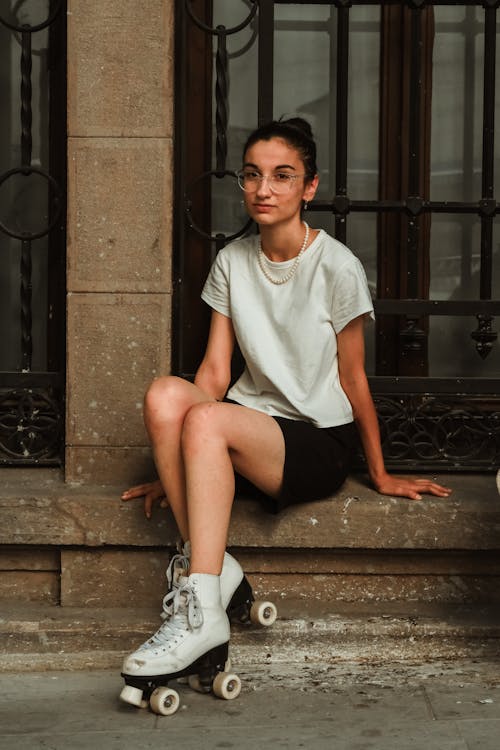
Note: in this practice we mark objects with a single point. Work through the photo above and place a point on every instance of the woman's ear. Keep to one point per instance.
(310, 189)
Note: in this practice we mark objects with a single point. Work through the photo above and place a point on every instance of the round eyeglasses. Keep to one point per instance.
(279, 182)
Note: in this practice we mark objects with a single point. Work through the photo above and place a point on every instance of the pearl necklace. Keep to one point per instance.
(291, 272)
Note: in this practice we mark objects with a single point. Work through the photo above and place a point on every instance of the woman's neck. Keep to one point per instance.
(281, 243)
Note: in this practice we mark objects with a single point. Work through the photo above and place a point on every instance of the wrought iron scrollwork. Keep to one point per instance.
(217, 30)
(412, 336)
(30, 425)
(484, 335)
(432, 432)
(26, 234)
(32, 28)
(189, 213)
(221, 118)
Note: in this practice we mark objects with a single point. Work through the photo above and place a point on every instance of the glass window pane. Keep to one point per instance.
(457, 104)
(364, 100)
(304, 76)
(23, 199)
(228, 214)
(455, 256)
(452, 350)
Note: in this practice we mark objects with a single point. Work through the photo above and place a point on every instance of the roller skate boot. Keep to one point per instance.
(193, 640)
(236, 593)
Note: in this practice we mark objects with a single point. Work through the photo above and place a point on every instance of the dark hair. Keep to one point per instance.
(296, 132)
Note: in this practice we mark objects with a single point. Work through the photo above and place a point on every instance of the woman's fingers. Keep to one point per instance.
(412, 488)
(150, 491)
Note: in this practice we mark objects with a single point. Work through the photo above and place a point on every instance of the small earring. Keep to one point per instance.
(306, 204)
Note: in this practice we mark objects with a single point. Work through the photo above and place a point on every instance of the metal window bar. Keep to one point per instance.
(31, 416)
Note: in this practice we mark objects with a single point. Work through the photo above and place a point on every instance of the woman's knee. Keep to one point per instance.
(164, 400)
(202, 421)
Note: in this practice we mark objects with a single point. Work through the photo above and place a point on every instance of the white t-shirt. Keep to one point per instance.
(287, 333)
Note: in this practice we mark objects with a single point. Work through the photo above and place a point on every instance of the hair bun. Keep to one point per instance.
(300, 124)
(296, 132)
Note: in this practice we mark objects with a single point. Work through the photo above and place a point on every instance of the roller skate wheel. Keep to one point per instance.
(195, 684)
(227, 686)
(263, 613)
(164, 701)
(133, 696)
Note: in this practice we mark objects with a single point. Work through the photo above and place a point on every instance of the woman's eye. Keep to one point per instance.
(282, 177)
(251, 175)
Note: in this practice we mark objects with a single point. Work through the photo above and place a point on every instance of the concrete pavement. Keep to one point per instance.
(437, 706)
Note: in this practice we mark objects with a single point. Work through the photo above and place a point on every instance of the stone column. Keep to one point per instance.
(120, 133)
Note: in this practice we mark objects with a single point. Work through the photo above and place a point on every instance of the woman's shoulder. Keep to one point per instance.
(334, 252)
(232, 255)
(239, 246)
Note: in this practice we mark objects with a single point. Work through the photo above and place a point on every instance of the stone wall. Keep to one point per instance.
(120, 150)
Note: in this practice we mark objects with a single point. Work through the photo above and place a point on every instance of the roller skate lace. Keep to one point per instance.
(179, 562)
(181, 612)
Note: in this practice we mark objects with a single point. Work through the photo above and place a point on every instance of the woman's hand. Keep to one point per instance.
(151, 492)
(412, 488)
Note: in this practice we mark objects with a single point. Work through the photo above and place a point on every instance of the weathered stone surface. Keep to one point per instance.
(75, 517)
(120, 123)
(29, 574)
(371, 562)
(29, 558)
(136, 577)
(356, 518)
(68, 638)
(119, 215)
(113, 466)
(120, 69)
(117, 345)
(113, 578)
(29, 586)
(377, 587)
(359, 517)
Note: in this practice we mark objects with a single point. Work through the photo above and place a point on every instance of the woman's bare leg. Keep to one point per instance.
(218, 438)
(166, 404)
(197, 445)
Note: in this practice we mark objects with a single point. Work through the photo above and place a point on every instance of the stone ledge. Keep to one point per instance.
(70, 638)
(37, 507)
(118, 577)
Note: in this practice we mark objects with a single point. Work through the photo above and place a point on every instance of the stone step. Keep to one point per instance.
(53, 638)
(38, 508)
(79, 545)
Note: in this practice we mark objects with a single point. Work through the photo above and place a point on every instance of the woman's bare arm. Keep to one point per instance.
(351, 355)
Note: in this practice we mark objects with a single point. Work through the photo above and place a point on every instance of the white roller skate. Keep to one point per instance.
(193, 640)
(236, 593)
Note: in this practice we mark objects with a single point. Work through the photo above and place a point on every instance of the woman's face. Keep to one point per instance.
(269, 158)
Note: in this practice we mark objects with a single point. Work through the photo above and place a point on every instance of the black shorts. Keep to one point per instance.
(317, 462)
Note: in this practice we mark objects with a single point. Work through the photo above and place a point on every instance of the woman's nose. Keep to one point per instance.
(264, 187)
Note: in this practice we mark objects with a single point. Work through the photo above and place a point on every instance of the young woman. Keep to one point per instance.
(296, 301)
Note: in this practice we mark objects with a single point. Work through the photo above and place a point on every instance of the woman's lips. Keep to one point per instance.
(262, 207)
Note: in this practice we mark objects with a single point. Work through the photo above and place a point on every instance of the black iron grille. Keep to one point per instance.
(428, 422)
(32, 236)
